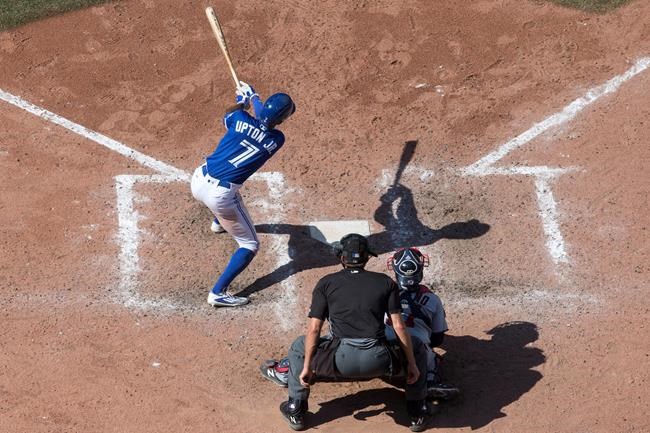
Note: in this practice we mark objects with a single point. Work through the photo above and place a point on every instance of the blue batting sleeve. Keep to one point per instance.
(257, 106)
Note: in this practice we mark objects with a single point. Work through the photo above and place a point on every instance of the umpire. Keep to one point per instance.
(354, 301)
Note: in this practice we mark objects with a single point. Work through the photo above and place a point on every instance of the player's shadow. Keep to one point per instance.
(306, 252)
(491, 374)
(402, 224)
(404, 229)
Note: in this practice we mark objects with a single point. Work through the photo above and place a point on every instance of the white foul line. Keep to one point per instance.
(128, 232)
(481, 166)
(128, 235)
(98, 138)
(543, 174)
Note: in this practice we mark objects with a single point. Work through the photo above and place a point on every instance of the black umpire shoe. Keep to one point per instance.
(420, 414)
(419, 423)
(292, 411)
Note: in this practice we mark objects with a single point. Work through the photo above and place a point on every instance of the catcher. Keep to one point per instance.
(423, 314)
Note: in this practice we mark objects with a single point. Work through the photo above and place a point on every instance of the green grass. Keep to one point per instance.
(592, 5)
(17, 12)
(14, 13)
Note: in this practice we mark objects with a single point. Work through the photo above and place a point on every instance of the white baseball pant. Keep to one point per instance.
(225, 202)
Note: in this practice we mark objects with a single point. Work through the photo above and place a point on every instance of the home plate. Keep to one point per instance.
(332, 231)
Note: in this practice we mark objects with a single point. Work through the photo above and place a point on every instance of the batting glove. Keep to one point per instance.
(241, 98)
(247, 90)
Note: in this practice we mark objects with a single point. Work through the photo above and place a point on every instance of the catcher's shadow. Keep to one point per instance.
(491, 373)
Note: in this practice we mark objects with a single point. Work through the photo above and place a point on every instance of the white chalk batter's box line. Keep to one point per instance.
(128, 233)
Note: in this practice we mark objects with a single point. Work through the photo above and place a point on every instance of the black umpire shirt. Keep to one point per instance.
(355, 301)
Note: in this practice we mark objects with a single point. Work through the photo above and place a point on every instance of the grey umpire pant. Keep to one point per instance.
(355, 363)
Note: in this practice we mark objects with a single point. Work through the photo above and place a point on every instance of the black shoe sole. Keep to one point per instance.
(421, 427)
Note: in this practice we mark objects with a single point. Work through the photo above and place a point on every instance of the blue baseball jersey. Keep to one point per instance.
(245, 147)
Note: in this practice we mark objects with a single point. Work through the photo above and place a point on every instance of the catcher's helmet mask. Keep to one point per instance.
(408, 265)
(353, 250)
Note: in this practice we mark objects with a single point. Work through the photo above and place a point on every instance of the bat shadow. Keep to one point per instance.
(402, 228)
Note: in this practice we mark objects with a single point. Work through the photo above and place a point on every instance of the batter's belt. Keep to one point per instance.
(210, 179)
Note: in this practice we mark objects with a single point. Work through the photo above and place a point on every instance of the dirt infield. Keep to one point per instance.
(528, 188)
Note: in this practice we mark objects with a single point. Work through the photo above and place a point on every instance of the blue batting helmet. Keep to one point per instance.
(276, 109)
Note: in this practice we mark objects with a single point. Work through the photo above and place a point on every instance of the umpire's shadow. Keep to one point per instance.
(491, 374)
(358, 405)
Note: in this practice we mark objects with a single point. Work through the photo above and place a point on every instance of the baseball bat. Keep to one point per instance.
(218, 33)
(407, 155)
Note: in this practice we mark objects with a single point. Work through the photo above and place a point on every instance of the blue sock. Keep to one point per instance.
(238, 262)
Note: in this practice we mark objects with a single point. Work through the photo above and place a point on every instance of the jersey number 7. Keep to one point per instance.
(246, 154)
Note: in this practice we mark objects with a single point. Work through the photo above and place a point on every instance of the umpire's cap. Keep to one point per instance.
(353, 250)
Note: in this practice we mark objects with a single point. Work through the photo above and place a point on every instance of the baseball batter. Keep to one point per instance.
(248, 143)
